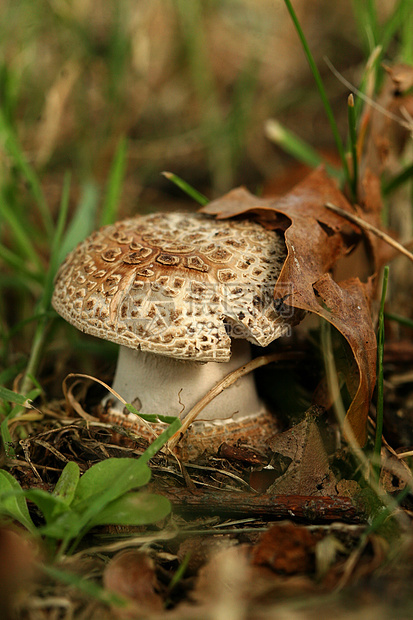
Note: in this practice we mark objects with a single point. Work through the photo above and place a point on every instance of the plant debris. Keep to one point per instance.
(316, 238)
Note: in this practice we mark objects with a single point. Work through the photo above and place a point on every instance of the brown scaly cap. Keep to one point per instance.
(175, 284)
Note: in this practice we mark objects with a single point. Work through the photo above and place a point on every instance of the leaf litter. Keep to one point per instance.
(316, 239)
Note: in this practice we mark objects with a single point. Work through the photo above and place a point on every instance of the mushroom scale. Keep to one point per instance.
(175, 284)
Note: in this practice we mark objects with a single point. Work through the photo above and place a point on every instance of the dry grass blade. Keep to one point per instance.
(369, 227)
(77, 407)
(222, 385)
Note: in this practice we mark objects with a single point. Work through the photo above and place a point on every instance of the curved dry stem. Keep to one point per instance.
(366, 226)
(225, 383)
(71, 402)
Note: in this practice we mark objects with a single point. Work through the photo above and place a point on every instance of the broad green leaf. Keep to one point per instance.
(48, 504)
(64, 526)
(112, 477)
(13, 502)
(66, 486)
(134, 509)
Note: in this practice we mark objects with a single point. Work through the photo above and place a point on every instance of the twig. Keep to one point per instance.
(366, 226)
(225, 383)
(302, 507)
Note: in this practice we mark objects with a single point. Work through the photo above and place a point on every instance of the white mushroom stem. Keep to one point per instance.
(161, 385)
(214, 392)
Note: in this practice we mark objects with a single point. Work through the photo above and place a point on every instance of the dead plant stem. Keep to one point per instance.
(366, 226)
(225, 383)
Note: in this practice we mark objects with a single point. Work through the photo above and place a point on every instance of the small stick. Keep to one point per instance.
(311, 508)
(363, 224)
(220, 387)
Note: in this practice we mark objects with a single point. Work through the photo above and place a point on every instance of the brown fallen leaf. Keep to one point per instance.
(286, 548)
(389, 124)
(316, 239)
(131, 574)
(309, 471)
(17, 570)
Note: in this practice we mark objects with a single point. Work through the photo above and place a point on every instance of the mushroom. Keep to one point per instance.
(177, 291)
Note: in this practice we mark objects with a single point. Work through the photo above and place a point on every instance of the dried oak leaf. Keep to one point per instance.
(309, 471)
(315, 239)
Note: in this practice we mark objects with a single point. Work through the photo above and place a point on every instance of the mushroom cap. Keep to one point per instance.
(175, 284)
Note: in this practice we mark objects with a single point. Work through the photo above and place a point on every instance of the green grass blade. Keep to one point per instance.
(150, 417)
(353, 145)
(20, 231)
(380, 390)
(38, 316)
(66, 486)
(14, 149)
(56, 244)
(161, 440)
(83, 220)
(403, 177)
(372, 20)
(115, 183)
(40, 333)
(139, 508)
(13, 397)
(406, 31)
(18, 264)
(402, 15)
(242, 109)
(9, 373)
(185, 187)
(300, 150)
(320, 86)
(403, 320)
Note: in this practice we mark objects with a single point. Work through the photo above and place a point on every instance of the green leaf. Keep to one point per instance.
(160, 441)
(298, 148)
(108, 480)
(12, 501)
(185, 187)
(150, 417)
(66, 486)
(56, 244)
(50, 505)
(14, 397)
(134, 509)
(65, 525)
